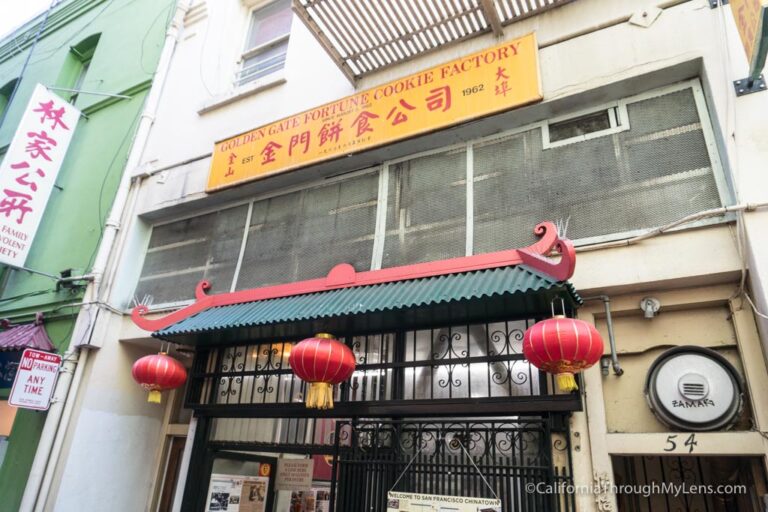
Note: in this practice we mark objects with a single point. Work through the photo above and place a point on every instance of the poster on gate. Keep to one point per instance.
(237, 493)
(414, 502)
(317, 499)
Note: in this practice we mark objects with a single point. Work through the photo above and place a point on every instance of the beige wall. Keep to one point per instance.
(693, 316)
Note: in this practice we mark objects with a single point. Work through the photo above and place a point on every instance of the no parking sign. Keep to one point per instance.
(35, 380)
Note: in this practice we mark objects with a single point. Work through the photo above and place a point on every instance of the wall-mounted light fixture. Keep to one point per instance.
(650, 306)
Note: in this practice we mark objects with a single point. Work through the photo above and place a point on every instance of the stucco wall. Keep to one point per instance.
(108, 456)
(640, 341)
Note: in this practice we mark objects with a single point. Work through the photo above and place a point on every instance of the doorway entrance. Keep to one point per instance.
(477, 458)
(450, 410)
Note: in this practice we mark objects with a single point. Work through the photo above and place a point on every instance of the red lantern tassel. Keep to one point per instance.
(320, 395)
(155, 397)
(566, 382)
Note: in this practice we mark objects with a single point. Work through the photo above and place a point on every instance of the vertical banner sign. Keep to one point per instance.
(35, 380)
(29, 170)
(493, 80)
(751, 18)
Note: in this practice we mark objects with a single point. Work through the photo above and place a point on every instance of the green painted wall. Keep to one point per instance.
(132, 34)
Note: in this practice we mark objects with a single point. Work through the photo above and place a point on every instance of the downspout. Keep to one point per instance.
(66, 414)
(54, 432)
(113, 224)
(617, 369)
(69, 377)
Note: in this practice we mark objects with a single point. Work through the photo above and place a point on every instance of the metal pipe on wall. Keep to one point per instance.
(71, 398)
(36, 492)
(69, 379)
(617, 369)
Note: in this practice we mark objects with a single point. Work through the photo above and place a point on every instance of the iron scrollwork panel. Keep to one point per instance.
(458, 362)
(477, 458)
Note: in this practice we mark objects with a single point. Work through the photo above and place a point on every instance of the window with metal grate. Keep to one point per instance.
(183, 253)
(304, 234)
(426, 209)
(653, 165)
(657, 171)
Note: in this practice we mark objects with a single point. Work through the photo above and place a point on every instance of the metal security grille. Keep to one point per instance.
(651, 164)
(433, 457)
(396, 373)
(426, 209)
(183, 253)
(690, 484)
(302, 235)
(655, 172)
(291, 237)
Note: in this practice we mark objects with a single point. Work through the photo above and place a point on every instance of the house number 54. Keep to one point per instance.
(672, 441)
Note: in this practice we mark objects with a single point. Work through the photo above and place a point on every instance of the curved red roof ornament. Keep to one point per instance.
(345, 276)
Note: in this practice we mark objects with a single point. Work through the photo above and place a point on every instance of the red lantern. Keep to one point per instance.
(563, 346)
(158, 372)
(321, 361)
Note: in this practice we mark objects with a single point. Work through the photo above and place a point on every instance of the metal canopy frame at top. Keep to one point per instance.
(363, 37)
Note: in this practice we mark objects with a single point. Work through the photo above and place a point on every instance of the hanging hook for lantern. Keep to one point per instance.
(562, 307)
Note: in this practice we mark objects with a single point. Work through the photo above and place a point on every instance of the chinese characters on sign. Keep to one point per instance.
(29, 170)
(490, 81)
(35, 380)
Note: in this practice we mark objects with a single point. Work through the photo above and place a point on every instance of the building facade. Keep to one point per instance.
(100, 57)
(325, 167)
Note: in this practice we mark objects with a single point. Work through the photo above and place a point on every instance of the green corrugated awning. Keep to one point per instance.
(497, 290)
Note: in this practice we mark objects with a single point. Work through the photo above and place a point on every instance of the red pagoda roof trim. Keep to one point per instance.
(345, 276)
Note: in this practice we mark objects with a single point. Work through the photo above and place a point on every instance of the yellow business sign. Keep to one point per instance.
(493, 80)
(751, 18)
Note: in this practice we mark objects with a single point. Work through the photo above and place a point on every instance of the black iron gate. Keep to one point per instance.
(522, 461)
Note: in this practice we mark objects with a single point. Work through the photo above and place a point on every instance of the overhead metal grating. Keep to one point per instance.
(363, 37)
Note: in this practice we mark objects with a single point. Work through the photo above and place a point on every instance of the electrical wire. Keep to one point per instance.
(25, 295)
(731, 129)
(168, 18)
(48, 54)
(754, 308)
(131, 130)
(208, 24)
(107, 174)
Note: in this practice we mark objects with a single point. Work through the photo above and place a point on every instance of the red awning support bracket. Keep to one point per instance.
(345, 276)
